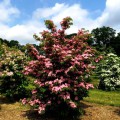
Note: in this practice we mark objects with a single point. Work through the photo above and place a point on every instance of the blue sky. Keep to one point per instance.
(20, 19)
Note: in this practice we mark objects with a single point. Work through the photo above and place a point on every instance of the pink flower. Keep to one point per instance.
(76, 98)
(48, 64)
(82, 84)
(34, 91)
(49, 102)
(93, 67)
(89, 86)
(41, 109)
(72, 104)
(37, 101)
(56, 89)
(24, 101)
(50, 73)
(31, 102)
(50, 82)
(67, 96)
(96, 60)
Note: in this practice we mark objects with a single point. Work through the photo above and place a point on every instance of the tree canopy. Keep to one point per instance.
(103, 36)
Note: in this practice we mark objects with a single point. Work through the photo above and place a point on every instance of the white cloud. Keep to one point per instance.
(7, 11)
(110, 16)
(22, 33)
(48, 12)
(59, 11)
(81, 19)
(74, 11)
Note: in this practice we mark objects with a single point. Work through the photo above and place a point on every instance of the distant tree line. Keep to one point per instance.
(15, 44)
(103, 39)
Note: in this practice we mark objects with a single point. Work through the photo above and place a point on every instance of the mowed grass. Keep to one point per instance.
(98, 96)
(104, 97)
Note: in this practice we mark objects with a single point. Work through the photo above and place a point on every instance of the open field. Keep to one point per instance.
(93, 111)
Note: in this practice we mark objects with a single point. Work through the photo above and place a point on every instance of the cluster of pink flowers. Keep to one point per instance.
(98, 59)
(65, 96)
(24, 101)
(61, 70)
(72, 104)
(56, 89)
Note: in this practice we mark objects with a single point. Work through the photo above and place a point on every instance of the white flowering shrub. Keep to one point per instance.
(109, 72)
(12, 80)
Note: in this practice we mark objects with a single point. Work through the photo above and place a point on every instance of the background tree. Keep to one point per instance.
(103, 37)
(14, 43)
(1, 40)
(116, 44)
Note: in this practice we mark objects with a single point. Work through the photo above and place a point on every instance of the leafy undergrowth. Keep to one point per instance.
(104, 97)
(16, 111)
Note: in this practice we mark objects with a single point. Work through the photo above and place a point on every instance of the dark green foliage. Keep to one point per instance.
(116, 44)
(14, 88)
(63, 112)
(103, 37)
(12, 80)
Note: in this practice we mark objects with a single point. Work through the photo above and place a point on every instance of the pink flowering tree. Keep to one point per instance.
(62, 69)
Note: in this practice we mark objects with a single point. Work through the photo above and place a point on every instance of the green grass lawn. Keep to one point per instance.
(104, 97)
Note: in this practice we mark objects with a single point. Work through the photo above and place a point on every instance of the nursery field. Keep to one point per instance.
(100, 105)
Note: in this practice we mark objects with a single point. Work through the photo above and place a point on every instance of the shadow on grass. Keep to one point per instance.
(4, 100)
(84, 106)
(33, 115)
(8, 100)
(51, 115)
(117, 111)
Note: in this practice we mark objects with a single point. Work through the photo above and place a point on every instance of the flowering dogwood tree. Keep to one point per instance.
(61, 71)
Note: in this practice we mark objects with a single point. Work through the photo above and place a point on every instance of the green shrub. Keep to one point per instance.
(12, 81)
